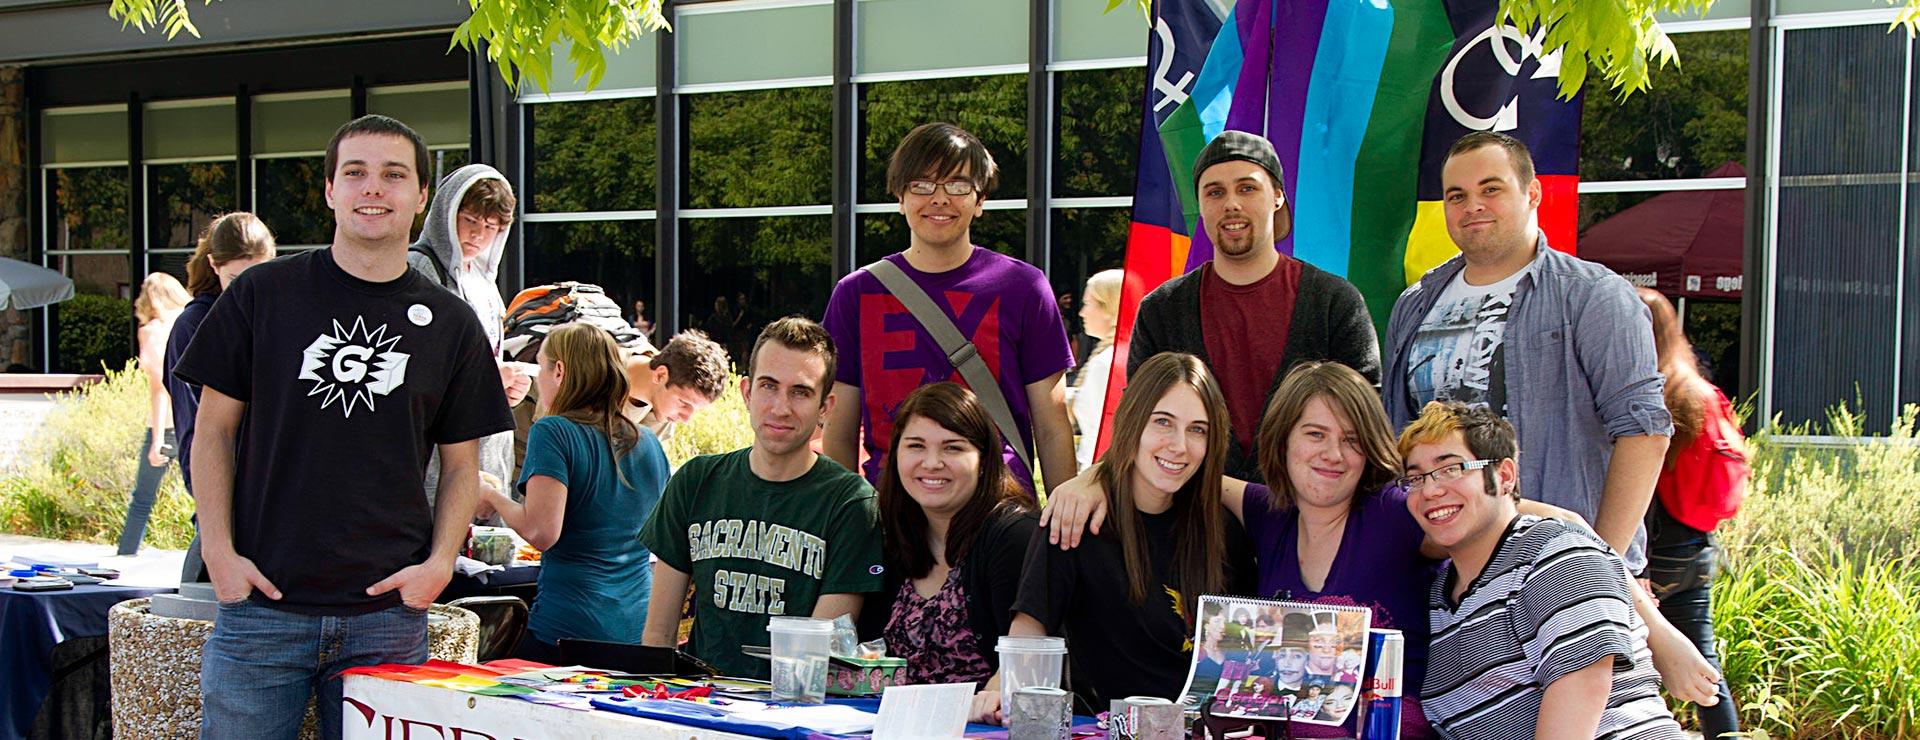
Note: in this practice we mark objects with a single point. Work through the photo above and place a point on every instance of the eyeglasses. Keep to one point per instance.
(487, 224)
(1443, 474)
(953, 187)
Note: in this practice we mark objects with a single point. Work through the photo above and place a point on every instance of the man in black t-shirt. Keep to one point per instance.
(329, 377)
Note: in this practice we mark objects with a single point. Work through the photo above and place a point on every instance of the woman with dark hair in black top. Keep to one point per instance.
(957, 527)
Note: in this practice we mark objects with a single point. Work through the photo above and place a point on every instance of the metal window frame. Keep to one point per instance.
(942, 73)
(1766, 316)
(574, 217)
(743, 6)
(1084, 65)
(1765, 350)
(1663, 186)
(702, 88)
(997, 204)
(146, 219)
(1042, 119)
(669, 147)
(1716, 24)
(1900, 255)
(617, 93)
(1834, 19)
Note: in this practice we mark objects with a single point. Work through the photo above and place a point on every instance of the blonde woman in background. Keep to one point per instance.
(161, 298)
(1099, 315)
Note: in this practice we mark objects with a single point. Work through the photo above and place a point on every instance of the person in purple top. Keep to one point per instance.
(1334, 528)
(1331, 530)
(942, 176)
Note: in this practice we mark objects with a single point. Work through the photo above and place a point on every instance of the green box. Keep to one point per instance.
(862, 676)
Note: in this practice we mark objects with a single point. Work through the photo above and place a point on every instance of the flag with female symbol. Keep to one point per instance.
(1361, 99)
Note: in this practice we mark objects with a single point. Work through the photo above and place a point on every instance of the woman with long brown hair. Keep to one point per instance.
(1701, 484)
(1330, 526)
(232, 244)
(958, 524)
(1126, 598)
(591, 478)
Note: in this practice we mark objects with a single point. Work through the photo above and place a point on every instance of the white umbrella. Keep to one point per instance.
(25, 285)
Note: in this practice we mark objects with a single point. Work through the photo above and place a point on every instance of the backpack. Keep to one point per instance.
(537, 310)
(1707, 481)
(439, 270)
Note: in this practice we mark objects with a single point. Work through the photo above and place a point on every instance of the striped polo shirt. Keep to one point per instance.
(1552, 600)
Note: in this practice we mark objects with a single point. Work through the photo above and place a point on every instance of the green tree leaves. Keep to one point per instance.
(521, 35)
(170, 15)
(1618, 39)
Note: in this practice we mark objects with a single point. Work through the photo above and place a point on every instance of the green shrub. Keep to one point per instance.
(76, 476)
(1822, 645)
(96, 332)
(721, 427)
(1859, 493)
(1818, 611)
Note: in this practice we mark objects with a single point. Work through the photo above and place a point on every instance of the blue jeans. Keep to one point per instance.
(261, 665)
(1680, 567)
(146, 489)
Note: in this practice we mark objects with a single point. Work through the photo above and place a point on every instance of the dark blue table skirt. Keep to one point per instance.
(30, 625)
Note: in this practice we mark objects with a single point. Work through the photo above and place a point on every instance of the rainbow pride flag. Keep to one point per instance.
(1361, 99)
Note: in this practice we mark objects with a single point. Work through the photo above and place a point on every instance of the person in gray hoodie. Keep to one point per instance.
(459, 248)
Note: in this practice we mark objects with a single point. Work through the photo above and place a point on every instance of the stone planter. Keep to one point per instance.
(155, 662)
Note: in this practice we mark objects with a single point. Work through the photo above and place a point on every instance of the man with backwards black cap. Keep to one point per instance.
(1251, 312)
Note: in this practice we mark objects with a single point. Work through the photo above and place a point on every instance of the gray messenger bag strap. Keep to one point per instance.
(959, 351)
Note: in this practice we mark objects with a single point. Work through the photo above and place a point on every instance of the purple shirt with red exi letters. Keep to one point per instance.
(1004, 306)
(1378, 566)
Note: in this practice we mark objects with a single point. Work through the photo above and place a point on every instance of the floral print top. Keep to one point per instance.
(935, 636)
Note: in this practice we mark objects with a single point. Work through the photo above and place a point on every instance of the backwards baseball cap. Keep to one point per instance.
(1246, 147)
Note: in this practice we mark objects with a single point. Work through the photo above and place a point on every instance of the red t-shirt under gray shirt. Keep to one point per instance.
(1245, 328)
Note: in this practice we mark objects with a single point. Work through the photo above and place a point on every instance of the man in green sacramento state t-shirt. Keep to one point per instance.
(773, 529)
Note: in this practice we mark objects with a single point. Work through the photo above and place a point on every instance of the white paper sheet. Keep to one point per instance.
(832, 719)
(927, 712)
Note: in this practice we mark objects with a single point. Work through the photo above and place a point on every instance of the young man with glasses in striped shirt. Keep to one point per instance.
(1534, 630)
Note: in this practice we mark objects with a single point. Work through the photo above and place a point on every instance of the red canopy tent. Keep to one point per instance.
(1686, 244)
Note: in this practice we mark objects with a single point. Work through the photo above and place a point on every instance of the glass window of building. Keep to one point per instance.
(290, 134)
(992, 108)
(1085, 241)
(591, 155)
(618, 256)
(758, 148)
(1097, 142)
(792, 41)
(84, 234)
(1841, 174)
(781, 265)
(189, 176)
(438, 111)
(1689, 123)
(917, 35)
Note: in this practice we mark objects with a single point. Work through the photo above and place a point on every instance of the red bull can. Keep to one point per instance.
(1386, 664)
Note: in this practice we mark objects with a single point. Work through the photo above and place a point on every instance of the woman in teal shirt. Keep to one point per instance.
(591, 479)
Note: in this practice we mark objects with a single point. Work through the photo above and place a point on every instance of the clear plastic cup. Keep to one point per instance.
(1028, 661)
(799, 657)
